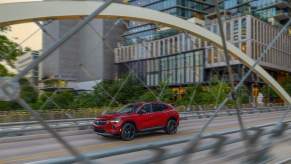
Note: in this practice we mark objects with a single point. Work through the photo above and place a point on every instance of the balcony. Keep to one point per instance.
(281, 15)
(281, 4)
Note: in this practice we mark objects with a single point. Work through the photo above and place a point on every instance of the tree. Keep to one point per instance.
(269, 94)
(28, 93)
(3, 71)
(61, 99)
(9, 50)
(85, 100)
(124, 90)
(287, 85)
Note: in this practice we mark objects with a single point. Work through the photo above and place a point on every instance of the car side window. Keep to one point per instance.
(147, 108)
(159, 107)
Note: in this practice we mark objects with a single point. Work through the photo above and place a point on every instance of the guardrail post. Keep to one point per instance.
(252, 139)
(259, 156)
(217, 147)
(229, 112)
(198, 114)
(255, 155)
(279, 130)
(159, 153)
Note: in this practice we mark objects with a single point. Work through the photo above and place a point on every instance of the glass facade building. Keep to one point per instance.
(185, 9)
(275, 11)
(158, 54)
(174, 70)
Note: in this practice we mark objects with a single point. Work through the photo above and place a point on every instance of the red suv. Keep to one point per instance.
(138, 117)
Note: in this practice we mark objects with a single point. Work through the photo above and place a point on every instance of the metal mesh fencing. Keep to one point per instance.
(11, 92)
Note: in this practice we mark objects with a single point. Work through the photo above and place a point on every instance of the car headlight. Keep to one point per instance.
(116, 120)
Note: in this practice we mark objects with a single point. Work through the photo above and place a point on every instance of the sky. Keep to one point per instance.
(20, 32)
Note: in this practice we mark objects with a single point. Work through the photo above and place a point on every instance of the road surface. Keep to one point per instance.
(21, 149)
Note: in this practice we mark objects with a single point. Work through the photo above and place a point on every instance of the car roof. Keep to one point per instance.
(149, 102)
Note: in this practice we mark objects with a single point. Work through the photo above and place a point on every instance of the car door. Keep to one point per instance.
(145, 117)
(159, 115)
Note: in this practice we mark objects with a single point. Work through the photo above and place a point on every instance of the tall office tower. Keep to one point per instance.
(84, 57)
(277, 12)
(186, 9)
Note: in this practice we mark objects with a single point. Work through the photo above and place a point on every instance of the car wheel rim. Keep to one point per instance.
(128, 132)
(172, 127)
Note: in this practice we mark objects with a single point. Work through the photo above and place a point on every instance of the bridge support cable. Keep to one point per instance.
(196, 137)
(11, 90)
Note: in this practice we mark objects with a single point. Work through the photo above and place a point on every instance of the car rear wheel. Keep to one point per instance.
(171, 127)
(128, 132)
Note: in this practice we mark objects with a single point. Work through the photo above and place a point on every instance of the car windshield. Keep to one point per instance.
(129, 108)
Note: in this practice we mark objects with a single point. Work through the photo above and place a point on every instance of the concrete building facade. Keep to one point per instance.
(23, 61)
(84, 57)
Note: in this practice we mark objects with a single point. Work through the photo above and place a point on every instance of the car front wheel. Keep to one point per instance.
(128, 132)
(171, 127)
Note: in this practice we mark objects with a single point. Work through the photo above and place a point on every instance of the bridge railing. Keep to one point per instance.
(222, 139)
(21, 128)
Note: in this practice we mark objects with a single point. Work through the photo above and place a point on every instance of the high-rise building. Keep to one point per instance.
(277, 12)
(158, 54)
(186, 9)
(85, 57)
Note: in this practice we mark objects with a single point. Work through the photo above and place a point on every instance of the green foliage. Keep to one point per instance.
(84, 100)
(287, 85)
(28, 93)
(124, 90)
(268, 93)
(216, 92)
(3, 71)
(63, 100)
(9, 50)
(127, 90)
(243, 95)
(165, 93)
(148, 96)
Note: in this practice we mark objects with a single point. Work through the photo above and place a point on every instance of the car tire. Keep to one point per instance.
(171, 127)
(127, 132)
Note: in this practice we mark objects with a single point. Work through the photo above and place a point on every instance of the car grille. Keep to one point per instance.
(100, 122)
(99, 130)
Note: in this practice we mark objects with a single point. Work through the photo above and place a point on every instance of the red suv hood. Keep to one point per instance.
(109, 116)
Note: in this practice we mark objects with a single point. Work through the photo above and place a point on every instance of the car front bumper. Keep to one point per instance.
(107, 130)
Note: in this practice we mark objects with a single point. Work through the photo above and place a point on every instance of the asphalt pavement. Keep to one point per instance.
(21, 149)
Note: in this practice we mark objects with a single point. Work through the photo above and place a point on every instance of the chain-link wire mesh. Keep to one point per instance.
(10, 87)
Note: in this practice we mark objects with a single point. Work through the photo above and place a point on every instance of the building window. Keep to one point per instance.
(171, 46)
(243, 47)
(166, 47)
(243, 28)
(161, 48)
(228, 32)
(235, 31)
(176, 44)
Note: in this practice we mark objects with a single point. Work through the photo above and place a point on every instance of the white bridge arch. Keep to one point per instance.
(21, 12)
